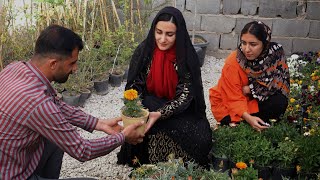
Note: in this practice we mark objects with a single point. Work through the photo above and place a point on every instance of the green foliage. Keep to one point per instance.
(262, 151)
(286, 153)
(309, 153)
(176, 169)
(220, 136)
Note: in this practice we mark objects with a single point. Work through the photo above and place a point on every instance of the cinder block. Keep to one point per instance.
(231, 6)
(305, 45)
(249, 7)
(313, 10)
(213, 39)
(218, 24)
(180, 4)
(285, 42)
(189, 18)
(290, 28)
(314, 29)
(204, 6)
(301, 8)
(241, 22)
(278, 8)
(159, 4)
(229, 41)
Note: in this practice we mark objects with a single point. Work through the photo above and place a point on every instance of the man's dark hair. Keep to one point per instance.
(57, 41)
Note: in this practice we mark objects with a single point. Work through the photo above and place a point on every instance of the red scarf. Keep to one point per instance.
(162, 79)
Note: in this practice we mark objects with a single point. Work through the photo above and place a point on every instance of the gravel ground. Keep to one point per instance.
(108, 106)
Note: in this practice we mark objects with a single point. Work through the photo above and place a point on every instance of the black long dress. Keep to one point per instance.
(183, 128)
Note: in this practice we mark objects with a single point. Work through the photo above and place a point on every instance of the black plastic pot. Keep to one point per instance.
(115, 79)
(203, 44)
(71, 98)
(101, 86)
(84, 95)
(220, 164)
(264, 172)
(278, 173)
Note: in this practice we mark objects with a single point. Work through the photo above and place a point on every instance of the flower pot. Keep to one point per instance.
(131, 120)
(308, 176)
(101, 85)
(220, 164)
(264, 172)
(115, 78)
(279, 173)
(71, 98)
(200, 42)
(84, 95)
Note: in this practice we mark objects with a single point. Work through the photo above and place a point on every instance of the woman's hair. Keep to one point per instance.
(259, 30)
(166, 17)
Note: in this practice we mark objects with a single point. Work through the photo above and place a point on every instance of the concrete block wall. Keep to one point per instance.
(294, 23)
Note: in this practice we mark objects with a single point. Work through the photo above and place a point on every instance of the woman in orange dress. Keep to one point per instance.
(254, 83)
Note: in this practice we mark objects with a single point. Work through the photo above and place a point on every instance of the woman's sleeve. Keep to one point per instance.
(181, 100)
(232, 87)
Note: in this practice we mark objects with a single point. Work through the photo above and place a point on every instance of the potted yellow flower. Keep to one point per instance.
(133, 111)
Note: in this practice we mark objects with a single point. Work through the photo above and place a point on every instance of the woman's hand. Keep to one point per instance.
(246, 90)
(254, 121)
(153, 117)
(109, 126)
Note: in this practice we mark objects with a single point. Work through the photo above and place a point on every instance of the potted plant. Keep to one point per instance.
(199, 42)
(71, 94)
(308, 155)
(243, 172)
(285, 157)
(133, 111)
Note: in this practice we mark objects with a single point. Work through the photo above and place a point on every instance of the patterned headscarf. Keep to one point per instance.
(269, 72)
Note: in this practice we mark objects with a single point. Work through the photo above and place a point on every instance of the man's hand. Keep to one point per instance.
(131, 134)
(109, 126)
(153, 117)
(255, 122)
(246, 90)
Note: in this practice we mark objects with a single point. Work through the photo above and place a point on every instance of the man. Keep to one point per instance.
(35, 124)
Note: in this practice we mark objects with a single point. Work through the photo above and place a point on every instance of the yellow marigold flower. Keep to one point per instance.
(297, 106)
(130, 94)
(314, 78)
(241, 165)
(292, 100)
(300, 82)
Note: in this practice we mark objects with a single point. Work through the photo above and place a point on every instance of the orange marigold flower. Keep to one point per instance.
(135, 160)
(241, 165)
(130, 94)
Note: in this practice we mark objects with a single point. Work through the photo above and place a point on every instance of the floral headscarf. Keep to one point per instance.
(268, 73)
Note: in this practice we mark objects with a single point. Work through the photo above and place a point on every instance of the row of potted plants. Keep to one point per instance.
(277, 151)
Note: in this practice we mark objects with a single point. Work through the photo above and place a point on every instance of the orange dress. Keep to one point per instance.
(226, 97)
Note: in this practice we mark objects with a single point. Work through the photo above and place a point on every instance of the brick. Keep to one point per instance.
(285, 42)
(241, 22)
(314, 29)
(305, 45)
(189, 18)
(218, 24)
(231, 6)
(204, 6)
(249, 7)
(278, 8)
(229, 41)
(313, 10)
(290, 28)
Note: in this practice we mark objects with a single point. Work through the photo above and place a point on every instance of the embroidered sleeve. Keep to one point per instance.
(181, 101)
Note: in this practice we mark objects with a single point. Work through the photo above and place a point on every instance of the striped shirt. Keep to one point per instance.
(29, 112)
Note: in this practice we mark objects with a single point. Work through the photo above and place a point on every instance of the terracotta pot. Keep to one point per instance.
(131, 120)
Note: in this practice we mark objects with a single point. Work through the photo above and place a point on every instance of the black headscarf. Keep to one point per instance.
(187, 58)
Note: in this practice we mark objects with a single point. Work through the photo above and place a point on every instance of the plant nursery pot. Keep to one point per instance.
(201, 42)
(131, 120)
(70, 98)
(308, 176)
(115, 79)
(101, 86)
(84, 95)
(220, 164)
(279, 173)
(264, 172)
